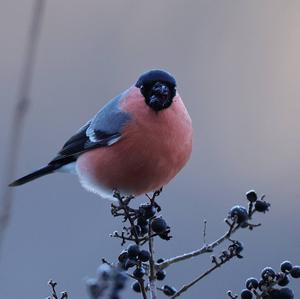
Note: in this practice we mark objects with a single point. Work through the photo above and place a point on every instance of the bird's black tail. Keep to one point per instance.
(34, 175)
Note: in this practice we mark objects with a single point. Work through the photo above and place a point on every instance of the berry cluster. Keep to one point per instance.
(144, 225)
(133, 256)
(260, 205)
(241, 215)
(141, 226)
(159, 275)
(272, 285)
(143, 222)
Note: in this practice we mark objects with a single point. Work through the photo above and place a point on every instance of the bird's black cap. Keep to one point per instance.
(153, 76)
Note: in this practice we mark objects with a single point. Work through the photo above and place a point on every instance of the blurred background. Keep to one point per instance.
(237, 65)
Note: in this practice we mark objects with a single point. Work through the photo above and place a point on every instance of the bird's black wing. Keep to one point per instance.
(80, 143)
(102, 130)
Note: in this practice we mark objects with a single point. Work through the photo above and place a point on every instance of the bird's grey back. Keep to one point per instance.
(109, 120)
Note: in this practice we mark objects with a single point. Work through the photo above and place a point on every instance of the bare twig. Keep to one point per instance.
(202, 250)
(123, 202)
(152, 276)
(187, 286)
(53, 284)
(204, 232)
(224, 258)
(21, 109)
(233, 227)
(232, 296)
(143, 289)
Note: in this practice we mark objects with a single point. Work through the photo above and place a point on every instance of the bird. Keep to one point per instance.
(135, 144)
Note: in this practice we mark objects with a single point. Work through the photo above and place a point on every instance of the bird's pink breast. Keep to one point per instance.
(154, 146)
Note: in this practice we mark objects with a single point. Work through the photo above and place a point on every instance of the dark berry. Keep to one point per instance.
(295, 272)
(286, 293)
(133, 250)
(160, 260)
(104, 272)
(283, 281)
(236, 247)
(160, 275)
(141, 221)
(139, 272)
(129, 264)
(120, 281)
(144, 230)
(147, 210)
(123, 256)
(144, 255)
(251, 196)
(268, 274)
(239, 213)
(119, 285)
(261, 284)
(114, 296)
(274, 294)
(244, 224)
(159, 225)
(93, 288)
(169, 291)
(136, 287)
(261, 206)
(251, 283)
(286, 266)
(165, 235)
(246, 294)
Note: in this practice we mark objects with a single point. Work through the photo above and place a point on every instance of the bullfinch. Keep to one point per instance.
(135, 144)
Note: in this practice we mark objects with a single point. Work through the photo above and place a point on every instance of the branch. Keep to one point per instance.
(152, 276)
(233, 227)
(143, 224)
(202, 250)
(234, 250)
(20, 112)
(53, 284)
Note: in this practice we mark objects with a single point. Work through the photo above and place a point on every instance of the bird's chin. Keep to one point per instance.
(158, 104)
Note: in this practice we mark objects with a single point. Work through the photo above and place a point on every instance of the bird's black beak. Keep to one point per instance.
(160, 96)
